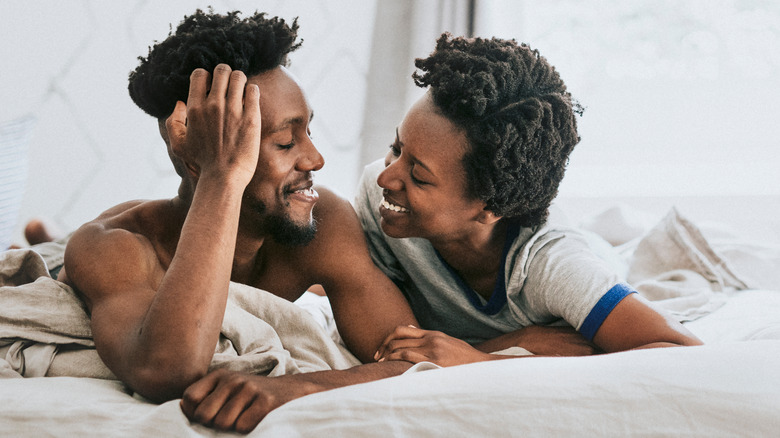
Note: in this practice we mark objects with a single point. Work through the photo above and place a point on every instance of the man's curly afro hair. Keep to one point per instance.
(254, 44)
(517, 116)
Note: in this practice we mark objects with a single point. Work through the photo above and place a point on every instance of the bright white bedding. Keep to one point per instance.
(724, 389)
(729, 387)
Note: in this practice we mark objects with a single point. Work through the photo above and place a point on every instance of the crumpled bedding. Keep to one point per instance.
(45, 330)
(674, 266)
(681, 268)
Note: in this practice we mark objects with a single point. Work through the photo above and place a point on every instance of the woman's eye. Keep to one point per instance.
(288, 145)
(416, 181)
(395, 150)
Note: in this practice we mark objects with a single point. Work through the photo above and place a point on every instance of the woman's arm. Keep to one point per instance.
(634, 324)
(415, 345)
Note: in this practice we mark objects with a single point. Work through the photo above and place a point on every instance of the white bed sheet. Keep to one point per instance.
(729, 387)
(709, 391)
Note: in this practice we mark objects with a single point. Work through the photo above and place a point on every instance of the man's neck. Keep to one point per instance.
(248, 259)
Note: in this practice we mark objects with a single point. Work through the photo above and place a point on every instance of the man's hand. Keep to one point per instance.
(218, 130)
(543, 341)
(233, 401)
(415, 345)
(229, 400)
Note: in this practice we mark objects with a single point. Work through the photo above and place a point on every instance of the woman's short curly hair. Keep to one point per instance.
(254, 44)
(517, 115)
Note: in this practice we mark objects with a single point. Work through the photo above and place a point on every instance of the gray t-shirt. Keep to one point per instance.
(551, 275)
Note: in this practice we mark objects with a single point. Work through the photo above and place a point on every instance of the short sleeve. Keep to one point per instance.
(566, 280)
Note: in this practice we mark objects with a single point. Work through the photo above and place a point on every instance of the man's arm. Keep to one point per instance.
(543, 341)
(156, 328)
(367, 305)
(228, 400)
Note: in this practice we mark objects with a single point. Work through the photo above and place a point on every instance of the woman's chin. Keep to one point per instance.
(392, 231)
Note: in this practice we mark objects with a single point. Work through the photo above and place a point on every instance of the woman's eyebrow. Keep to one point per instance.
(417, 162)
(414, 159)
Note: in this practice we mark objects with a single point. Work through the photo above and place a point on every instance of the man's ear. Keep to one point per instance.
(487, 217)
(173, 131)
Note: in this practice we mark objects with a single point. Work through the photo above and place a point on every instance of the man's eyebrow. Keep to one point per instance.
(286, 123)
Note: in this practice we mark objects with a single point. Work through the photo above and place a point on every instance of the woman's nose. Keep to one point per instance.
(389, 179)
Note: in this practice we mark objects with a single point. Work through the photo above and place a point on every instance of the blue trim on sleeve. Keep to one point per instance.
(603, 308)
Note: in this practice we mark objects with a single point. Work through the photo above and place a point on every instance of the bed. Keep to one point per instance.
(726, 290)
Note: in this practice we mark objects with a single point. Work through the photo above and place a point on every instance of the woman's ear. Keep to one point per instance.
(487, 217)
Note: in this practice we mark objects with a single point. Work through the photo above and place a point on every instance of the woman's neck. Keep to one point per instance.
(477, 257)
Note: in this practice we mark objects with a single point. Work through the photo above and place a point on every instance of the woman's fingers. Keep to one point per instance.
(411, 355)
(400, 332)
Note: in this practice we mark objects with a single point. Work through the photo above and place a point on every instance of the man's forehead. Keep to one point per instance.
(282, 101)
(290, 121)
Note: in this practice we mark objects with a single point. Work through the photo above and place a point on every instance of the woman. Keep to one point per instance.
(457, 215)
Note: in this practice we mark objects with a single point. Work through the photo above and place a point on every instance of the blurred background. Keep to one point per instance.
(680, 97)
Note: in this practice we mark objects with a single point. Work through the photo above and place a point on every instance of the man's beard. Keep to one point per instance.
(285, 231)
(279, 226)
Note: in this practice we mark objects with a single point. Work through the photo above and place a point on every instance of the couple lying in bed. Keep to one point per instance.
(454, 220)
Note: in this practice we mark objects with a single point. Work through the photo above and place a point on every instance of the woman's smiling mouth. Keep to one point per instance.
(397, 208)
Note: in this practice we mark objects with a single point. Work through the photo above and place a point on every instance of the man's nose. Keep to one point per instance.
(312, 159)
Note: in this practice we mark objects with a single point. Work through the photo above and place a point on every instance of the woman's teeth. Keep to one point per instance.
(393, 207)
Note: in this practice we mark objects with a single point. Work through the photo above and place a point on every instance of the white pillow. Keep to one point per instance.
(14, 136)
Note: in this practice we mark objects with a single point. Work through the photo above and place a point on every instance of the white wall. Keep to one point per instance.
(681, 99)
(67, 63)
(681, 96)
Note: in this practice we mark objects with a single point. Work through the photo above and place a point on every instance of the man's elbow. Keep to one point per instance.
(162, 383)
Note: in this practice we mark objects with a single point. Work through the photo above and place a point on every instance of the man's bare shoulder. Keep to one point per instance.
(331, 205)
(116, 244)
(339, 241)
(133, 217)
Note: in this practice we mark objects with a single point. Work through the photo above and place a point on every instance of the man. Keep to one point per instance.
(155, 274)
